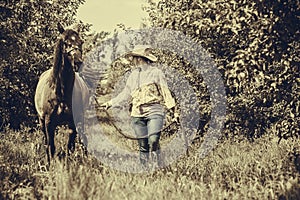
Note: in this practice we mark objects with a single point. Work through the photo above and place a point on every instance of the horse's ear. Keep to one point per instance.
(60, 28)
(77, 28)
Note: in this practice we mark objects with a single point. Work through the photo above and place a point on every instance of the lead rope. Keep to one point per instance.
(125, 135)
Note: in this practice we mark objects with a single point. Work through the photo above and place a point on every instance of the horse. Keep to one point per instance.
(61, 95)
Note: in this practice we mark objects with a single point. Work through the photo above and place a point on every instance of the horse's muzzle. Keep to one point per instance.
(77, 56)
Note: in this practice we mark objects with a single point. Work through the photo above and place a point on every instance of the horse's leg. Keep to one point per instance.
(79, 120)
(43, 129)
(83, 138)
(50, 131)
(72, 138)
(46, 139)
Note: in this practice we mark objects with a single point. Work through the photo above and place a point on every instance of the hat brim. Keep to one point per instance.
(141, 53)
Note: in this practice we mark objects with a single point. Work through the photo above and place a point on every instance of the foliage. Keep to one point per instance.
(255, 45)
(259, 170)
(28, 33)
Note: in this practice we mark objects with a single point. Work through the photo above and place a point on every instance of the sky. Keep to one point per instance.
(104, 15)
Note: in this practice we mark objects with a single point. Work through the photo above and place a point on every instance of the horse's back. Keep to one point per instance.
(43, 92)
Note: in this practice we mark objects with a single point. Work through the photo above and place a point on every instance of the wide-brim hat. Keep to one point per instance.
(143, 52)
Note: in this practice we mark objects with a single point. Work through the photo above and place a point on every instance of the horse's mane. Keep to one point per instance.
(58, 57)
(58, 60)
(57, 66)
(60, 64)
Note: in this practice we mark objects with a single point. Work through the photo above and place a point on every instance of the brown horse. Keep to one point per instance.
(61, 94)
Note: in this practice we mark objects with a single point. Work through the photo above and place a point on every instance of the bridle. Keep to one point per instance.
(71, 47)
(70, 51)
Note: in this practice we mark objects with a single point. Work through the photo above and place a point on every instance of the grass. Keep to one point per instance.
(262, 169)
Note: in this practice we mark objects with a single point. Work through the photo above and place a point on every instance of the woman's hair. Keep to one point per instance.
(144, 58)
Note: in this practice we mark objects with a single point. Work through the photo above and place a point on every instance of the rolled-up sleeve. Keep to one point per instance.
(165, 92)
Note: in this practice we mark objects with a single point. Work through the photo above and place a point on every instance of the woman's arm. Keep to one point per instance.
(165, 92)
(125, 95)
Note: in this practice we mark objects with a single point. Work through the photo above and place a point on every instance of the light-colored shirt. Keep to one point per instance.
(148, 91)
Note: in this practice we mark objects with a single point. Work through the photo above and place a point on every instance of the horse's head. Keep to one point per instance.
(72, 46)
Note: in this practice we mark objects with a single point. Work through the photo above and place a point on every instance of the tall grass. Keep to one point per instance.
(262, 169)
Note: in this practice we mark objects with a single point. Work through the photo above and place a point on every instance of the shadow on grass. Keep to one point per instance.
(292, 194)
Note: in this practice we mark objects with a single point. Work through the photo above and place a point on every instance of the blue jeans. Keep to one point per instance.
(149, 129)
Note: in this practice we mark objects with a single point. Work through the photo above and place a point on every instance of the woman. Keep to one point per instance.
(147, 89)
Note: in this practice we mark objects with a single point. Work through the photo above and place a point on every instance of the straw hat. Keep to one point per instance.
(143, 52)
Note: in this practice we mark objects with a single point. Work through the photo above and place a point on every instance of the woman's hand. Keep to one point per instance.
(174, 115)
(106, 105)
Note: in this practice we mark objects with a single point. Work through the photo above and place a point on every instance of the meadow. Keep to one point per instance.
(255, 46)
(236, 169)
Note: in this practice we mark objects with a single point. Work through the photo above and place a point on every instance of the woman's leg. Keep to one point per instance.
(155, 125)
(139, 125)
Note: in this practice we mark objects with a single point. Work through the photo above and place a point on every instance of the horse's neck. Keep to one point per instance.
(64, 79)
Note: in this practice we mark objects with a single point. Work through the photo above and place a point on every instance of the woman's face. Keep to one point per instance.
(137, 60)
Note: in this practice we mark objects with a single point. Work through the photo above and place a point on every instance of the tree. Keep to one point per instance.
(255, 45)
